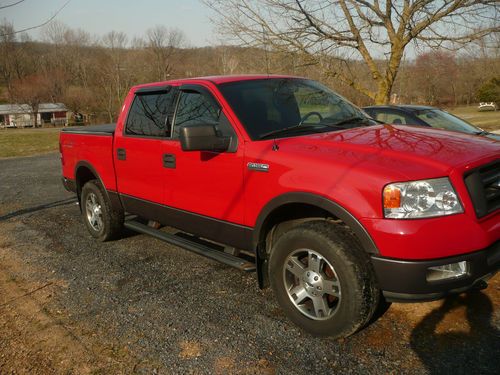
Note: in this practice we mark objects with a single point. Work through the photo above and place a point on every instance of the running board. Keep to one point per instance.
(222, 257)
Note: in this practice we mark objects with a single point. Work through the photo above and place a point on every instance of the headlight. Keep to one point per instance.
(418, 199)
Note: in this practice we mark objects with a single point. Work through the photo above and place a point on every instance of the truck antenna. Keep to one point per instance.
(275, 145)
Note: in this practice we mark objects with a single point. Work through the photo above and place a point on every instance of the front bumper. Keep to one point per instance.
(406, 281)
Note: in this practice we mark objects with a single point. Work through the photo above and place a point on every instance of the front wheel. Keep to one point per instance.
(102, 221)
(323, 280)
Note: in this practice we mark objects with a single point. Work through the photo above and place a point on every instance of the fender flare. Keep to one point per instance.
(112, 196)
(319, 201)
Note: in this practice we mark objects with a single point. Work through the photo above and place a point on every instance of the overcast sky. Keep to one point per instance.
(130, 16)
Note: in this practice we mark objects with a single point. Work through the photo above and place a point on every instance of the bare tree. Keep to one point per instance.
(229, 62)
(32, 90)
(54, 32)
(8, 48)
(163, 44)
(376, 31)
(435, 77)
(79, 99)
(16, 61)
(116, 72)
(114, 76)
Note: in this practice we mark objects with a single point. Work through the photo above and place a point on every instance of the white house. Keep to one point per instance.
(21, 115)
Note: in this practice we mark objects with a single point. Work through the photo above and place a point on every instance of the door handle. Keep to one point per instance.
(121, 154)
(169, 160)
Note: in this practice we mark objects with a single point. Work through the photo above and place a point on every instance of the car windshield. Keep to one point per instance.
(280, 107)
(444, 120)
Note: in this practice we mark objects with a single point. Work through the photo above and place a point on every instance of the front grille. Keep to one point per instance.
(483, 184)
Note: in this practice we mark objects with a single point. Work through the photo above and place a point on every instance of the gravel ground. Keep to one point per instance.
(69, 304)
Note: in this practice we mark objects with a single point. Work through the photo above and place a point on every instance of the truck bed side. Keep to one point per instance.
(90, 147)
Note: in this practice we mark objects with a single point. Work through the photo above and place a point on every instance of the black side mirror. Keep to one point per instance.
(202, 137)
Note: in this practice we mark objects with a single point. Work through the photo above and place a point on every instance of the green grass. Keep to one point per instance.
(485, 120)
(26, 142)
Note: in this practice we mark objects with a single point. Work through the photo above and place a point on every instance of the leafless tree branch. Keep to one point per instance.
(371, 28)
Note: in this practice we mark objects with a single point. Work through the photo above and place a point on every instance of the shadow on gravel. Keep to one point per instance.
(37, 208)
(454, 352)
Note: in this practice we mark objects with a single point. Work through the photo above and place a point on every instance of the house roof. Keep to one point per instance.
(15, 109)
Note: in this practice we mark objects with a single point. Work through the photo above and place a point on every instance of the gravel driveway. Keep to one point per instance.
(69, 304)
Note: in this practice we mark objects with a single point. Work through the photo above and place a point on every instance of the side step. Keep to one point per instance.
(195, 247)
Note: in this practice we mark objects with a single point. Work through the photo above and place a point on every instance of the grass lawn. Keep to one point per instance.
(485, 120)
(25, 142)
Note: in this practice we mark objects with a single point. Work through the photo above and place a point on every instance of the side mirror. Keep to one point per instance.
(202, 137)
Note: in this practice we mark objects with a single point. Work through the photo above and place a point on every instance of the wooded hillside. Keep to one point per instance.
(92, 75)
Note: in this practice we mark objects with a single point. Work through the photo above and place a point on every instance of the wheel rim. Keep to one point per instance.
(94, 212)
(312, 284)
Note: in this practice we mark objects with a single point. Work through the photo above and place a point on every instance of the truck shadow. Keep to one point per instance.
(40, 207)
(452, 352)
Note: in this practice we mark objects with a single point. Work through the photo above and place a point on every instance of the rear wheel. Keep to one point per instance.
(102, 221)
(323, 280)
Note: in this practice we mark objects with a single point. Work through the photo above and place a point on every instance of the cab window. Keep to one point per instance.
(149, 114)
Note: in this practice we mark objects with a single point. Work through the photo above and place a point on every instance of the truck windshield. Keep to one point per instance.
(283, 106)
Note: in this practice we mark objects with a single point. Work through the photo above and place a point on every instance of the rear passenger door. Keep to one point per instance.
(139, 150)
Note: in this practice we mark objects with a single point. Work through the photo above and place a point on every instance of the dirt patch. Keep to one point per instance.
(190, 349)
(225, 365)
(37, 339)
(34, 340)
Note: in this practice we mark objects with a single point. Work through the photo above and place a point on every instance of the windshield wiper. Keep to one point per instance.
(285, 130)
(348, 120)
(309, 126)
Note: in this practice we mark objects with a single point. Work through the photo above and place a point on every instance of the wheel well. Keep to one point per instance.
(280, 221)
(82, 176)
(287, 216)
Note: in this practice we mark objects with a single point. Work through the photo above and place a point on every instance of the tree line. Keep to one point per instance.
(91, 75)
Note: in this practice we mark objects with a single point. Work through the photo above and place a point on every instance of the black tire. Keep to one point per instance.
(347, 286)
(110, 220)
(381, 308)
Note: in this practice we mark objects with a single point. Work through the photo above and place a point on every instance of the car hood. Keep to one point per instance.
(408, 151)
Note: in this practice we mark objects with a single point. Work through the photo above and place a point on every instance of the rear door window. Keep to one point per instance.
(150, 114)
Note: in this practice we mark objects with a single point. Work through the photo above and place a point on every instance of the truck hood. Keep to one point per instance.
(410, 150)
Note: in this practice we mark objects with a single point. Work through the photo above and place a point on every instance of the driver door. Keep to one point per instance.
(205, 183)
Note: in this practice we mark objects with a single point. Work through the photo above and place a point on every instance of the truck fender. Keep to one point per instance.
(112, 196)
(263, 222)
(326, 204)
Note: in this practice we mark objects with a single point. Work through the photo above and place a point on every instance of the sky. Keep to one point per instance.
(130, 16)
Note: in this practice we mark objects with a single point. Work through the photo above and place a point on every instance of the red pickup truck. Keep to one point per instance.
(280, 175)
